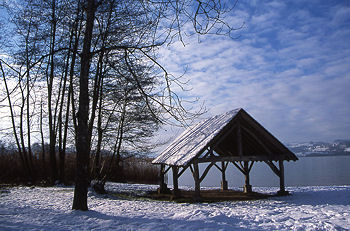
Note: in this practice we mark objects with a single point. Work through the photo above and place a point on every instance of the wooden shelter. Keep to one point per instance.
(233, 137)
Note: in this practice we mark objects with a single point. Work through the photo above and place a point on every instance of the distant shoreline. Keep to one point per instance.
(323, 155)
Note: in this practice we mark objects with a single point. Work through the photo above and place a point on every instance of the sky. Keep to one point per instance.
(288, 67)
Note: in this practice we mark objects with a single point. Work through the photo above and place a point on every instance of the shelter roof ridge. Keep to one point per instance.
(195, 139)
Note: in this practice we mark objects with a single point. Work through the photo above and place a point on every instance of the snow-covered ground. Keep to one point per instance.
(308, 208)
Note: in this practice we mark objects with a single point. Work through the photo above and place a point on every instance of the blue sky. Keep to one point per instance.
(289, 67)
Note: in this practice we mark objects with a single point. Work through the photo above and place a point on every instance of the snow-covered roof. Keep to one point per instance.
(194, 139)
(220, 133)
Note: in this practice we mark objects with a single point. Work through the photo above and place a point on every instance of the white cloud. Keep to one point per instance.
(292, 76)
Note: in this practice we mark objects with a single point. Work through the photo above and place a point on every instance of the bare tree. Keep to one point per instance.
(141, 41)
(82, 133)
(79, 50)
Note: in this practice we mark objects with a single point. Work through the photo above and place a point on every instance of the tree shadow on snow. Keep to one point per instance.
(51, 219)
(159, 223)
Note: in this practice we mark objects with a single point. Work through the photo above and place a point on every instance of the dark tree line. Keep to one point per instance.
(85, 73)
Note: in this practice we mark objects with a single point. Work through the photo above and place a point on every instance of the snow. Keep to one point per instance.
(307, 208)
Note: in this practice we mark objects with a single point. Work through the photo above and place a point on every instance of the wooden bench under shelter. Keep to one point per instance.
(233, 137)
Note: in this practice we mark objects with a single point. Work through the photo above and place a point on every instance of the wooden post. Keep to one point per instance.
(224, 181)
(197, 186)
(163, 188)
(247, 186)
(282, 190)
(175, 181)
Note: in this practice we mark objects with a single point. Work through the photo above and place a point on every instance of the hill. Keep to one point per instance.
(336, 148)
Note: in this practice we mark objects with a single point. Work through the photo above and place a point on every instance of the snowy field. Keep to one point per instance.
(308, 208)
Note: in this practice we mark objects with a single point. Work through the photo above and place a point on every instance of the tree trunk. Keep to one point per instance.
(101, 180)
(97, 160)
(42, 139)
(52, 132)
(82, 133)
(62, 130)
(21, 134)
(30, 154)
(22, 157)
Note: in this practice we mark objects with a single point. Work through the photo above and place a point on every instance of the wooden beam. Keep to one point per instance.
(220, 169)
(258, 127)
(220, 139)
(183, 170)
(191, 169)
(250, 166)
(240, 164)
(232, 158)
(239, 168)
(211, 151)
(247, 186)
(269, 152)
(175, 181)
(162, 186)
(273, 167)
(197, 186)
(206, 171)
(167, 169)
(216, 142)
(282, 187)
(222, 152)
(223, 177)
(207, 154)
(239, 141)
(226, 166)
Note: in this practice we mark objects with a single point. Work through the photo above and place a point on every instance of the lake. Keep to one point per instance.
(307, 171)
